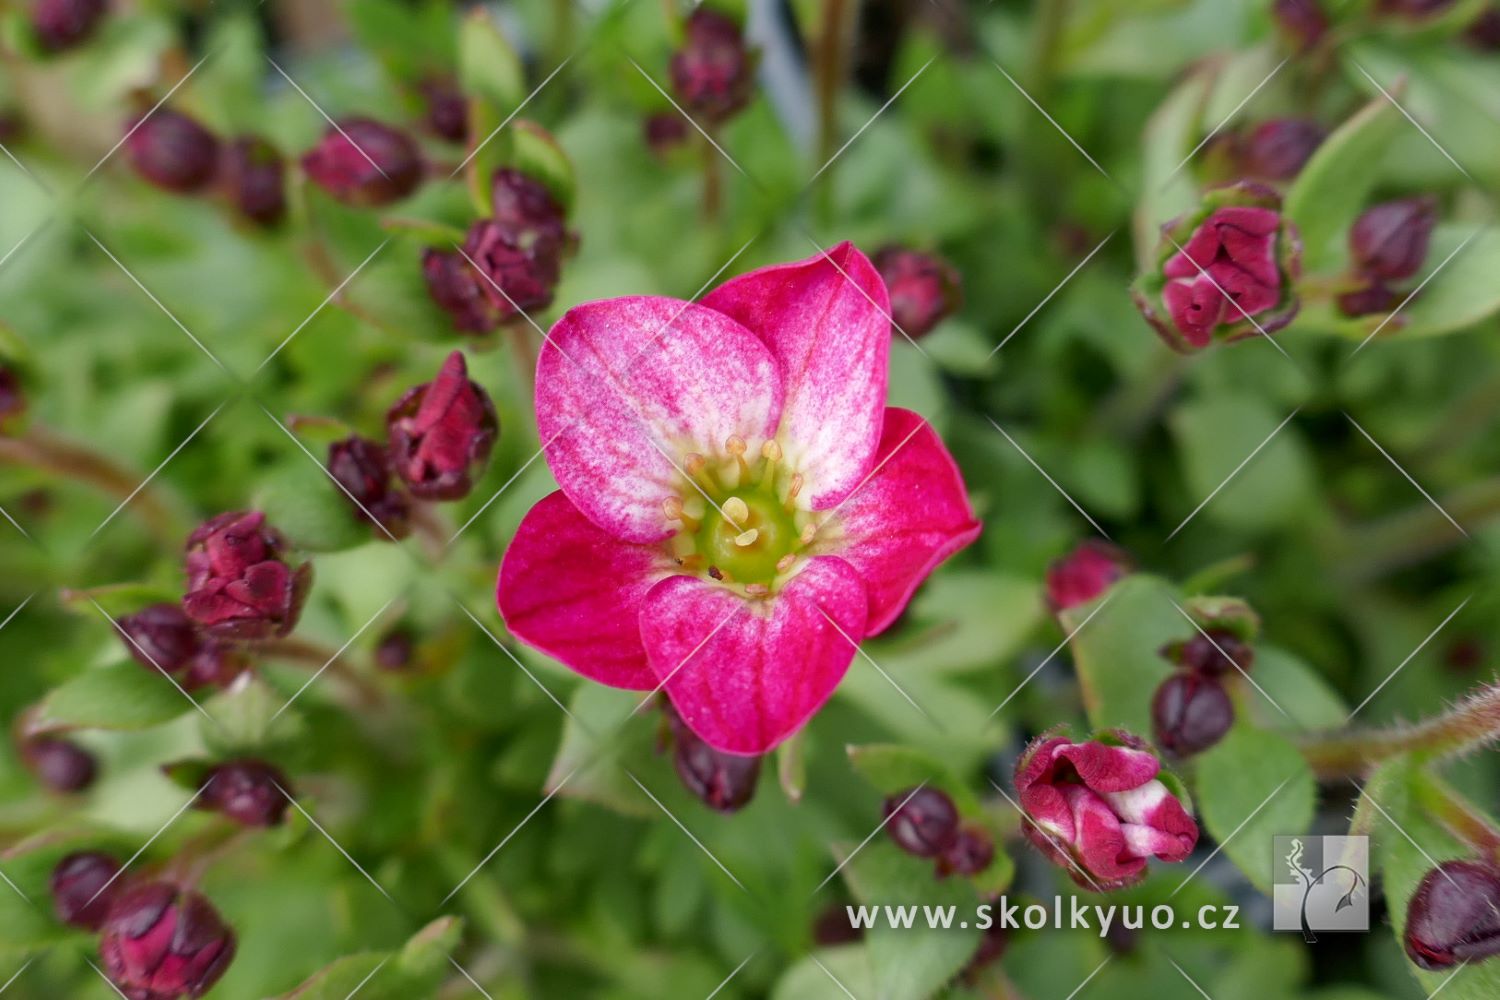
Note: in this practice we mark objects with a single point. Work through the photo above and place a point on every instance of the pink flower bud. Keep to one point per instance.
(62, 24)
(725, 782)
(61, 765)
(441, 433)
(362, 467)
(970, 853)
(172, 151)
(364, 162)
(924, 288)
(160, 636)
(1278, 149)
(1389, 241)
(239, 585)
(526, 205)
(1213, 652)
(1099, 808)
(396, 650)
(160, 942)
(665, 131)
(1375, 298)
(253, 176)
(1085, 574)
(215, 664)
(923, 822)
(1454, 915)
(447, 110)
(1190, 713)
(246, 791)
(712, 71)
(1302, 22)
(83, 885)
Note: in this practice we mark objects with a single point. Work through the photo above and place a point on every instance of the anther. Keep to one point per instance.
(737, 511)
(757, 589)
(672, 507)
(735, 446)
(785, 562)
(793, 488)
(745, 538)
(771, 452)
(809, 532)
(696, 466)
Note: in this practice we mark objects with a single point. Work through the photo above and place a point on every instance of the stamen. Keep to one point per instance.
(696, 466)
(737, 511)
(771, 452)
(735, 446)
(757, 589)
(672, 507)
(792, 489)
(785, 562)
(745, 538)
(809, 532)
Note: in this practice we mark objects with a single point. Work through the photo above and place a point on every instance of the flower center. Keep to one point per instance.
(739, 523)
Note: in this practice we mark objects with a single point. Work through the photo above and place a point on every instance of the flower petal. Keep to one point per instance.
(744, 675)
(1106, 767)
(1100, 841)
(826, 319)
(625, 383)
(574, 592)
(908, 516)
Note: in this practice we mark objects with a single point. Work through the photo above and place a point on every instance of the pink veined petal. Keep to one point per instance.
(906, 518)
(574, 591)
(826, 319)
(1106, 767)
(745, 675)
(1153, 806)
(626, 387)
(1099, 841)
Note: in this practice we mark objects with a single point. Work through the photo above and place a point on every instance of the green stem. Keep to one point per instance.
(830, 68)
(1470, 724)
(1458, 814)
(1416, 534)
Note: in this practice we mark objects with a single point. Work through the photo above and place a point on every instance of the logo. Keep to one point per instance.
(1321, 884)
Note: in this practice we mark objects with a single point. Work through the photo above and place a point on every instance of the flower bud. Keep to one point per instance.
(246, 791)
(160, 942)
(216, 664)
(12, 400)
(1212, 652)
(526, 205)
(712, 71)
(441, 433)
(83, 885)
(1099, 808)
(1278, 149)
(924, 288)
(447, 110)
(664, 132)
(1224, 272)
(160, 636)
(62, 24)
(253, 176)
(395, 650)
(923, 821)
(970, 853)
(456, 286)
(1454, 915)
(362, 467)
(1483, 33)
(172, 151)
(725, 782)
(518, 268)
(1085, 574)
(59, 764)
(1301, 22)
(1190, 712)
(238, 583)
(833, 927)
(1389, 241)
(365, 163)
(1373, 299)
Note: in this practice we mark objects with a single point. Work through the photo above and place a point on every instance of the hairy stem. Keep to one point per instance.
(1458, 814)
(1467, 726)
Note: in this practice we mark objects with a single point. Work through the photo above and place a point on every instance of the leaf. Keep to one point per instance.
(1216, 433)
(1463, 291)
(537, 153)
(1250, 787)
(246, 720)
(415, 970)
(412, 38)
(1116, 651)
(488, 67)
(791, 767)
(961, 621)
(127, 696)
(1165, 190)
(1334, 185)
(602, 730)
(310, 509)
(827, 974)
(1307, 698)
(893, 769)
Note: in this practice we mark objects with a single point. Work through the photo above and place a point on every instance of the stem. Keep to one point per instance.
(1468, 725)
(42, 449)
(1455, 812)
(431, 529)
(1416, 534)
(293, 649)
(830, 67)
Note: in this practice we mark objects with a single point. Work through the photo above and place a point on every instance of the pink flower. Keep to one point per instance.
(739, 507)
(1099, 808)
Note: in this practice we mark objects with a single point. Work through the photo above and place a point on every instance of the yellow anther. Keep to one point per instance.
(735, 445)
(757, 589)
(809, 532)
(745, 538)
(672, 507)
(737, 511)
(785, 562)
(771, 451)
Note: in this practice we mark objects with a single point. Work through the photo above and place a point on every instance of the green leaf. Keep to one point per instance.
(127, 696)
(1219, 431)
(835, 970)
(412, 38)
(1463, 291)
(1332, 188)
(1307, 698)
(310, 509)
(601, 729)
(1116, 652)
(1251, 787)
(488, 67)
(537, 153)
(246, 720)
(418, 969)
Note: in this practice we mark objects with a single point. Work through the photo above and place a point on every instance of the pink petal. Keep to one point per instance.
(744, 675)
(574, 592)
(826, 319)
(908, 516)
(1105, 767)
(1153, 807)
(1099, 840)
(629, 386)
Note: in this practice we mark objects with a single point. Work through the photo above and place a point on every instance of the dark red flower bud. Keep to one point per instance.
(725, 782)
(526, 205)
(363, 162)
(1084, 574)
(62, 24)
(834, 927)
(970, 853)
(712, 72)
(1454, 916)
(59, 764)
(1302, 22)
(12, 399)
(395, 650)
(665, 131)
(457, 287)
(160, 942)
(83, 885)
(519, 268)
(447, 110)
(1484, 31)
(253, 175)
(923, 821)
(1190, 713)
(246, 791)
(172, 151)
(1213, 652)
(363, 468)
(924, 288)
(1372, 299)
(238, 583)
(1389, 240)
(160, 636)
(1278, 149)
(215, 664)
(441, 433)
